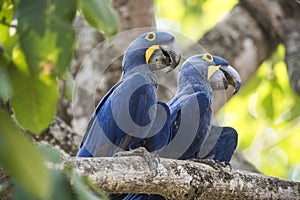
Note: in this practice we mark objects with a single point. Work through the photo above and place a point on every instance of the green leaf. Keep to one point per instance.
(50, 154)
(86, 181)
(21, 159)
(61, 188)
(33, 101)
(101, 15)
(81, 189)
(46, 34)
(20, 193)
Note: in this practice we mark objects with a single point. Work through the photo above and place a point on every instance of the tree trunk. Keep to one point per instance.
(135, 14)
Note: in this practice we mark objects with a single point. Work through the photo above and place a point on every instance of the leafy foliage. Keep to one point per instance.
(268, 126)
(31, 179)
(37, 45)
(37, 42)
(46, 35)
(65, 184)
(100, 15)
(36, 98)
(21, 159)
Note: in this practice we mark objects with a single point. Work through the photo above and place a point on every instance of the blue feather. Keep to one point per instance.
(225, 145)
(109, 130)
(130, 111)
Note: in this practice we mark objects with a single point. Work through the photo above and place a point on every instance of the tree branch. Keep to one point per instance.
(177, 179)
(240, 39)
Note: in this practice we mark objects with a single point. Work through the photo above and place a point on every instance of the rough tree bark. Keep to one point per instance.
(291, 41)
(135, 15)
(251, 32)
(181, 179)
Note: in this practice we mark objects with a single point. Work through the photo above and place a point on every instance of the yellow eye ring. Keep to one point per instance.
(150, 36)
(208, 58)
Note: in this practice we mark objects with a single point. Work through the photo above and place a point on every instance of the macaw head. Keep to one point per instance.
(216, 71)
(156, 49)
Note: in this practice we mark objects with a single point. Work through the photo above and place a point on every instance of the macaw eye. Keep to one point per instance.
(208, 58)
(150, 36)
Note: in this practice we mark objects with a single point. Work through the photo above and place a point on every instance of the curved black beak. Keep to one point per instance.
(232, 77)
(172, 54)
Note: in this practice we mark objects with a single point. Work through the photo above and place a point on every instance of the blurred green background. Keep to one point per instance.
(266, 112)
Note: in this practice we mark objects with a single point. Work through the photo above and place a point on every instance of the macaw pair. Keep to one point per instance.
(192, 132)
(129, 116)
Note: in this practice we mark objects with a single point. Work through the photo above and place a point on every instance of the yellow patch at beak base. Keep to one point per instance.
(211, 70)
(150, 51)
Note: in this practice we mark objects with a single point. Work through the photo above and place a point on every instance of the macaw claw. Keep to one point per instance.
(152, 159)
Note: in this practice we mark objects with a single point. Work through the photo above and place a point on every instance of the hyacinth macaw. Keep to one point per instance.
(129, 111)
(191, 108)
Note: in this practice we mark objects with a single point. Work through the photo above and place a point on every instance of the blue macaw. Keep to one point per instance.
(129, 111)
(192, 133)
(191, 107)
(220, 144)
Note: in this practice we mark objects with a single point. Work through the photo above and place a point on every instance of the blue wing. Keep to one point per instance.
(190, 121)
(83, 152)
(121, 119)
(224, 145)
(210, 141)
(205, 113)
(160, 132)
